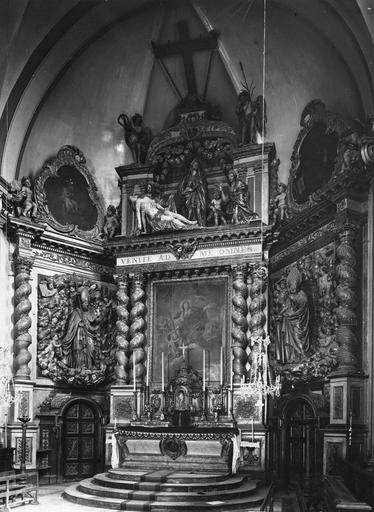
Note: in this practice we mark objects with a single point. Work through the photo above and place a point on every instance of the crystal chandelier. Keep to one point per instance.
(258, 384)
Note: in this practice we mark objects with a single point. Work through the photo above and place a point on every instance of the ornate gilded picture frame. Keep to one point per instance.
(190, 313)
(67, 196)
(317, 154)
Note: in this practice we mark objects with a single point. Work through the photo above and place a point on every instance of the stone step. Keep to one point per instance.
(179, 465)
(181, 483)
(248, 503)
(245, 489)
(168, 475)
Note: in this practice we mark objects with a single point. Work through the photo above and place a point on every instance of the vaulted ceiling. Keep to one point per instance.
(68, 68)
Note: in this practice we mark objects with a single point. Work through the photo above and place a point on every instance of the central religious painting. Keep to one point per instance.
(189, 316)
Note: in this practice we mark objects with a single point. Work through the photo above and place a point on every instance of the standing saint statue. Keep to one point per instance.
(237, 207)
(294, 321)
(193, 189)
(78, 344)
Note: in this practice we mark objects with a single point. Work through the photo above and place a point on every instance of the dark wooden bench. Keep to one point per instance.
(18, 489)
(339, 498)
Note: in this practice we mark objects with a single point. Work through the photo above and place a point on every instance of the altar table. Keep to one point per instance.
(179, 448)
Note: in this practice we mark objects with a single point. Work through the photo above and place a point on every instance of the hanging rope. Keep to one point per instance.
(263, 113)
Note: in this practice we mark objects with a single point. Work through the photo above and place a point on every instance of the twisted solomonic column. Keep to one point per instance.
(239, 322)
(137, 328)
(346, 295)
(122, 331)
(257, 305)
(22, 337)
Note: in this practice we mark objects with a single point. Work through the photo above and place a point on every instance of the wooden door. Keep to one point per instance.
(301, 444)
(80, 441)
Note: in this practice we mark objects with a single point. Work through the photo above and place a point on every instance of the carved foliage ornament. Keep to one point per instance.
(75, 330)
(67, 196)
(303, 320)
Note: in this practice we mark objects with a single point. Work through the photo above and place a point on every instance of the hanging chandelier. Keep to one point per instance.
(258, 384)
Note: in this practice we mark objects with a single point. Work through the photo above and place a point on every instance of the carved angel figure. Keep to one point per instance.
(137, 136)
(281, 204)
(216, 207)
(111, 223)
(23, 198)
(252, 117)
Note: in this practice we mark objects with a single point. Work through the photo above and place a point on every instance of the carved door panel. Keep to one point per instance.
(80, 440)
(301, 444)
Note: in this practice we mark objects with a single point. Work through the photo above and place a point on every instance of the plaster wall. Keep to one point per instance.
(6, 293)
(23, 24)
(116, 74)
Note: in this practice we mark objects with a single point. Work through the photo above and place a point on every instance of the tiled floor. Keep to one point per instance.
(50, 501)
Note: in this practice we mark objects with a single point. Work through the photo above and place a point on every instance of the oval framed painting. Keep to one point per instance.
(67, 196)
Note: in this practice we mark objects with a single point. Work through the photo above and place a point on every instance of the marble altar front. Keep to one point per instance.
(212, 448)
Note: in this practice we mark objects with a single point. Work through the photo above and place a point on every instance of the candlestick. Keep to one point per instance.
(203, 369)
(162, 373)
(221, 368)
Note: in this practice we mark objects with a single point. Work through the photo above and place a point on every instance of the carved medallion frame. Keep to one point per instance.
(72, 158)
(314, 115)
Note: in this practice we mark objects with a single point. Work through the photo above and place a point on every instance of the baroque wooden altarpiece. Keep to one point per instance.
(151, 314)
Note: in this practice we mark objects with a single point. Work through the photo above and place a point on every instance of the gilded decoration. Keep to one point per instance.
(67, 197)
(75, 330)
(193, 182)
(303, 319)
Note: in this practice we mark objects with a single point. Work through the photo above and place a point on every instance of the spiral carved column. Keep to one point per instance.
(239, 322)
(347, 301)
(137, 328)
(22, 337)
(122, 331)
(258, 301)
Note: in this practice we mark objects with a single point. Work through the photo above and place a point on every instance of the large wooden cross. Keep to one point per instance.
(186, 47)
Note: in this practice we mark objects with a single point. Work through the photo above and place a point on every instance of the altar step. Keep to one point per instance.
(166, 491)
(195, 463)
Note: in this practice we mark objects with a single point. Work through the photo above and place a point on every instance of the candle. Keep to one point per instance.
(115, 422)
(133, 373)
(231, 375)
(147, 382)
(203, 369)
(162, 373)
(221, 368)
(252, 431)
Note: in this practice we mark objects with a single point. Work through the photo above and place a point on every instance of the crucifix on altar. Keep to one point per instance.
(186, 47)
(184, 348)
